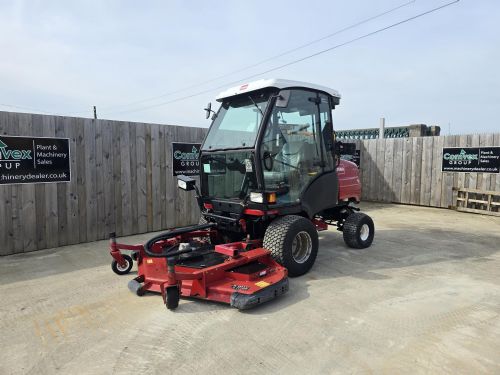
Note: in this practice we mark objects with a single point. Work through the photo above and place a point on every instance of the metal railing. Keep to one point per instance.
(394, 132)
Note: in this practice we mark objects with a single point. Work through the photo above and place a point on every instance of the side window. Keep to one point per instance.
(326, 127)
(291, 150)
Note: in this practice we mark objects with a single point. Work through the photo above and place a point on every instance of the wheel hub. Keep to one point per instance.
(302, 247)
(124, 268)
(364, 232)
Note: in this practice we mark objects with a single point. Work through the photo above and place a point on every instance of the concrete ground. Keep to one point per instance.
(425, 298)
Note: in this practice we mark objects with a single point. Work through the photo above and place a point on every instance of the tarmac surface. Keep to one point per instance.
(425, 298)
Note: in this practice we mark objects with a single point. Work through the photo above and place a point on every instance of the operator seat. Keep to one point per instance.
(301, 155)
(307, 156)
(294, 165)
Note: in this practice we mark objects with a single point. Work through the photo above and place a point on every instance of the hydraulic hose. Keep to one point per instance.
(172, 233)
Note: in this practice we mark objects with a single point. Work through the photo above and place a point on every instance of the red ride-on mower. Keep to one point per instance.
(269, 181)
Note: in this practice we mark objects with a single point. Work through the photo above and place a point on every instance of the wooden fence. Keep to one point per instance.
(408, 170)
(121, 182)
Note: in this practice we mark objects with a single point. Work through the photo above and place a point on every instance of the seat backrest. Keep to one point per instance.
(291, 151)
(308, 155)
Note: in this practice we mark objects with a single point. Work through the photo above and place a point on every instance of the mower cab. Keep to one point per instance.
(269, 160)
(268, 184)
(269, 151)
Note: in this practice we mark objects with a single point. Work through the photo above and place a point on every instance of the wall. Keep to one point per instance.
(121, 182)
(408, 170)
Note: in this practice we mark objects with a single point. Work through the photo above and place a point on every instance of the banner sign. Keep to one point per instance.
(28, 160)
(471, 159)
(185, 159)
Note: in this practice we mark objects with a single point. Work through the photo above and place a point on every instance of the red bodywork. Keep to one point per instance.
(349, 183)
(217, 282)
(222, 281)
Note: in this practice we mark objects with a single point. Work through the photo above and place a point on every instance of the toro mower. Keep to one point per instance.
(271, 177)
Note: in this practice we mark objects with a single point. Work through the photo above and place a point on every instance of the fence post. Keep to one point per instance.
(382, 128)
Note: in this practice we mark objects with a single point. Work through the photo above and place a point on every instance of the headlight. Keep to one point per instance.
(186, 183)
(256, 197)
(259, 197)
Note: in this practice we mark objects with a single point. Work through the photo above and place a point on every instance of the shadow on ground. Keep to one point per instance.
(392, 249)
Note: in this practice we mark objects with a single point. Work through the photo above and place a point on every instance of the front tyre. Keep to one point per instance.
(359, 230)
(122, 269)
(293, 242)
(172, 297)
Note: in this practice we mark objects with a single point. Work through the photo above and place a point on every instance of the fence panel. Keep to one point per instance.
(121, 181)
(408, 170)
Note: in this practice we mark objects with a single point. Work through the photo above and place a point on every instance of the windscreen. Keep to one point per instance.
(237, 122)
(229, 175)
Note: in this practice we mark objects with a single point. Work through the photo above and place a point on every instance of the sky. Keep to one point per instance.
(63, 57)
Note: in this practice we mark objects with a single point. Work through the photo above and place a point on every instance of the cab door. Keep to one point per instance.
(322, 192)
(295, 151)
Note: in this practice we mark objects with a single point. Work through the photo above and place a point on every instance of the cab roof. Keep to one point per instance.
(273, 82)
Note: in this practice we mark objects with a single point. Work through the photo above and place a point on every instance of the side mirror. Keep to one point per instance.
(208, 110)
(186, 183)
(283, 98)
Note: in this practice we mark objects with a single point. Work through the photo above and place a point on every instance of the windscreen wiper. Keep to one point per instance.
(256, 106)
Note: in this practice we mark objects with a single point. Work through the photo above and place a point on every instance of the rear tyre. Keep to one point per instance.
(359, 230)
(293, 242)
(122, 270)
(172, 298)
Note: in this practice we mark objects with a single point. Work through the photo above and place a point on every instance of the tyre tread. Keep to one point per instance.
(276, 236)
(351, 228)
